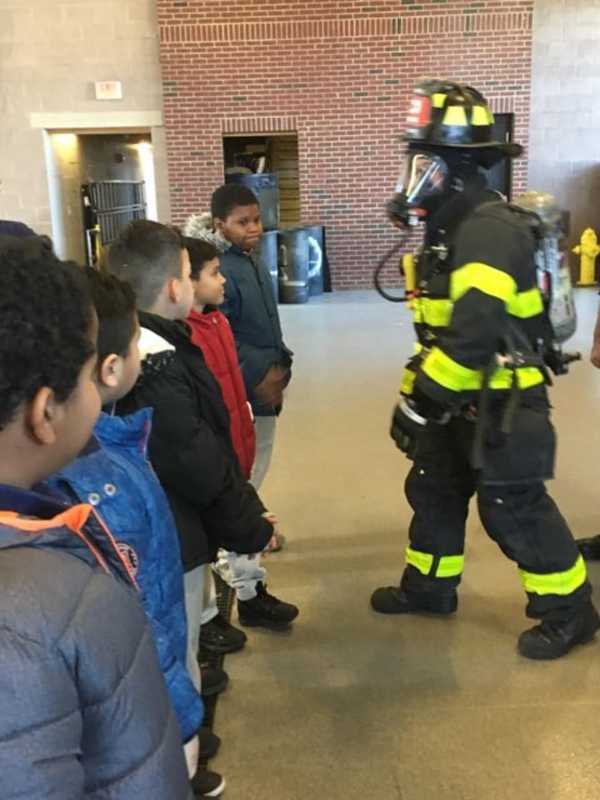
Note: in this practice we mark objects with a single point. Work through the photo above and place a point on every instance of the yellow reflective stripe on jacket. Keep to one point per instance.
(408, 381)
(526, 304)
(417, 309)
(449, 373)
(488, 280)
(436, 313)
(448, 566)
(526, 378)
(454, 376)
(556, 582)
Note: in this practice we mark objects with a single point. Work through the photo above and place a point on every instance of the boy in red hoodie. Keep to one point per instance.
(212, 333)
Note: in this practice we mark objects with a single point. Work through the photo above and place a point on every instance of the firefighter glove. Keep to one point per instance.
(407, 425)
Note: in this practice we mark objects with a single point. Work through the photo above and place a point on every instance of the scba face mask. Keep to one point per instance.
(425, 179)
(424, 182)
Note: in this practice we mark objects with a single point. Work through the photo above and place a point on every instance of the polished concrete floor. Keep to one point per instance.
(355, 705)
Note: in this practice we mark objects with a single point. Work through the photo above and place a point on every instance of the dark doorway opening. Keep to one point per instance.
(275, 153)
(500, 176)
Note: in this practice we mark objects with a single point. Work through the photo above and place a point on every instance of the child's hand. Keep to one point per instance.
(275, 542)
(269, 391)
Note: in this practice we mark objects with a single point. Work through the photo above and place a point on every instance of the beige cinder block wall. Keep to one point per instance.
(51, 52)
(564, 150)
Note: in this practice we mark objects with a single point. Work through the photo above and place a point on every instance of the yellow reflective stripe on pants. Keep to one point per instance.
(448, 566)
(526, 304)
(454, 376)
(408, 381)
(488, 280)
(560, 583)
(421, 561)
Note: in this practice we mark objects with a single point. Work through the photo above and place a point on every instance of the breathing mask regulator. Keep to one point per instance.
(423, 185)
(432, 183)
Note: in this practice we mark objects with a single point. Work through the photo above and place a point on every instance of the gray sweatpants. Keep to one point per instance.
(242, 572)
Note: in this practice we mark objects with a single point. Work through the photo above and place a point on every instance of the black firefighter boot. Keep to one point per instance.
(589, 548)
(550, 640)
(402, 600)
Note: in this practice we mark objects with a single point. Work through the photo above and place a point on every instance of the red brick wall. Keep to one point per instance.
(338, 72)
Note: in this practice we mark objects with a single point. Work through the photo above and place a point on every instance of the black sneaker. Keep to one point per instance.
(589, 548)
(218, 636)
(209, 744)
(394, 600)
(214, 680)
(266, 611)
(555, 639)
(207, 784)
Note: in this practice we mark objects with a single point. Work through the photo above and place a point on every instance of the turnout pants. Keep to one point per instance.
(514, 506)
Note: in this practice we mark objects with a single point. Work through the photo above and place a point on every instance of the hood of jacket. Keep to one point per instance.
(159, 338)
(200, 226)
(205, 320)
(39, 519)
(159, 334)
(131, 431)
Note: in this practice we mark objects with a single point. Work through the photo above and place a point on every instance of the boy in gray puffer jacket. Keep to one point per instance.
(84, 711)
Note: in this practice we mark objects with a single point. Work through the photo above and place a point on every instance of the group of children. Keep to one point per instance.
(138, 502)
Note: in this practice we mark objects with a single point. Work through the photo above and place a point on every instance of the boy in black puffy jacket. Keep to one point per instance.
(84, 711)
(190, 446)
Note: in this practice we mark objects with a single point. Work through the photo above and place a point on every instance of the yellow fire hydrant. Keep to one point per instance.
(588, 249)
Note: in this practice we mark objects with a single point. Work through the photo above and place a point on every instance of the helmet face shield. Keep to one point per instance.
(425, 179)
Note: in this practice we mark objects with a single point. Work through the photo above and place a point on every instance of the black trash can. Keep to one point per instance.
(293, 265)
(266, 187)
(269, 256)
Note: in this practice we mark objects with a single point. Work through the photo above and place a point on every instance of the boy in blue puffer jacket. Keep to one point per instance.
(113, 474)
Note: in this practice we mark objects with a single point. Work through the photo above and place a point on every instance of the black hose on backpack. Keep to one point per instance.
(379, 269)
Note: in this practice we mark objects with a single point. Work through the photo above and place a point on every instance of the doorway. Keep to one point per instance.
(500, 176)
(277, 154)
(98, 182)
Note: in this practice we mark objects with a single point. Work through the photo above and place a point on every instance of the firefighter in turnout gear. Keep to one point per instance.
(473, 413)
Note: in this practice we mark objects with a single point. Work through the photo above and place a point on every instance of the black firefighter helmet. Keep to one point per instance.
(447, 114)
